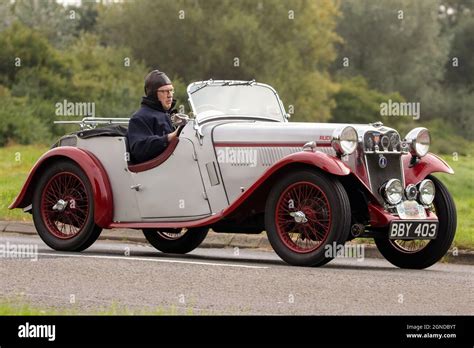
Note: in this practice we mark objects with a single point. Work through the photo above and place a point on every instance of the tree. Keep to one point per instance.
(396, 46)
(288, 44)
(56, 22)
(86, 72)
(460, 67)
(6, 17)
(356, 102)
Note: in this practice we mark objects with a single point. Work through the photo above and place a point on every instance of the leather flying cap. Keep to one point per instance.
(154, 80)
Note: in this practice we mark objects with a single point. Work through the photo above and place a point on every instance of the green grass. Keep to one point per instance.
(15, 164)
(461, 187)
(20, 307)
(16, 161)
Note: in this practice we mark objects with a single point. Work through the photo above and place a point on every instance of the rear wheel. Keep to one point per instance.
(176, 241)
(307, 215)
(63, 208)
(419, 254)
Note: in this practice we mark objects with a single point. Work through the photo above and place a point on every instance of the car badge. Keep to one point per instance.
(383, 161)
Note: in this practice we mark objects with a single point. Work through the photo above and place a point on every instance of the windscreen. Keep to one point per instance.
(211, 101)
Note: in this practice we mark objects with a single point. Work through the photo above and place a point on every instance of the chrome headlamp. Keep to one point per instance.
(427, 192)
(344, 140)
(419, 141)
(411, 192)
(392, 191)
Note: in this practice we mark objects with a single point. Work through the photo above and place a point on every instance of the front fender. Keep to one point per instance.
(103, 200)
(319, 159)
(424, 167)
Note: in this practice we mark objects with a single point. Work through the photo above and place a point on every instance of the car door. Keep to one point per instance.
(174, 190)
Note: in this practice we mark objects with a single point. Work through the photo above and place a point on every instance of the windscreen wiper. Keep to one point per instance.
(239, 83)
(202, 86)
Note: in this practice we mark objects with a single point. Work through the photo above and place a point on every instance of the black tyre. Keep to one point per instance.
(419, 254)
(176, 241)
(63, 208)
(305, 212)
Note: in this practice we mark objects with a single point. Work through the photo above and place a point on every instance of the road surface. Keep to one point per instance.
(225, 281)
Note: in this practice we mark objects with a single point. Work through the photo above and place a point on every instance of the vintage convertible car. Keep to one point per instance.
(240, 166)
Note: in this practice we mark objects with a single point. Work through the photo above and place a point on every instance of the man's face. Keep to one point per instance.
(165, 96)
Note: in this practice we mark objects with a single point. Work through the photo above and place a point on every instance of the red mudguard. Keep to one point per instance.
(103, 201)
(424, 167)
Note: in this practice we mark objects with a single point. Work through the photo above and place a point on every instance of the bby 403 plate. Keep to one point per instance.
(413, 229)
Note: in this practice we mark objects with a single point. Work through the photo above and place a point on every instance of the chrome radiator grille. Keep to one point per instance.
(378, 175)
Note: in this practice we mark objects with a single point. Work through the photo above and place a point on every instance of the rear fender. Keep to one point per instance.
(103, 200)
(425, 166)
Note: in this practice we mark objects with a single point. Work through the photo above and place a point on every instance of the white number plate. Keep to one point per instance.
(413, 229)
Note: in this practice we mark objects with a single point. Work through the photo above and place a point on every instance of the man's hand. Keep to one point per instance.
(173, 135)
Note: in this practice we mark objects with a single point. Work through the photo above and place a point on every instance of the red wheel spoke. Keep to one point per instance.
(312, 231)
(70, 221)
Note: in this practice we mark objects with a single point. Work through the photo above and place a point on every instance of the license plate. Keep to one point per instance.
(413, 230)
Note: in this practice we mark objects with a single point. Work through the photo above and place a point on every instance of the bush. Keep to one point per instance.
(357, 103)
(444, 139)
(19, 124)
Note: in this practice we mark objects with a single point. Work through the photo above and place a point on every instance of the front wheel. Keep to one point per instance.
(176, 241)
(419, 254)
(307, 217)
(63, 208)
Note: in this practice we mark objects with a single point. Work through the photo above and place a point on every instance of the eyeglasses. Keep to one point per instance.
(166, 91)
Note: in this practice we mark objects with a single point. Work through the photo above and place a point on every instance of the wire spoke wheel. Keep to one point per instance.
(65, 205)
(419, 254)
(172, 234)
(303, 217)
(410, 245)
(300, 217)
(176, 241)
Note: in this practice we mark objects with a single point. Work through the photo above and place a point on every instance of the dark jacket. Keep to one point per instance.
(148, 129)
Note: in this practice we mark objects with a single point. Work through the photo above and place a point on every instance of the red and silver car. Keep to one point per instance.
(240, 166)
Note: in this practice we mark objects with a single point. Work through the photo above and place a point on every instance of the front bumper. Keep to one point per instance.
(380, 218)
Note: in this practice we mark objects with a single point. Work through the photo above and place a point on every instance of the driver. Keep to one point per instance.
(150, 129)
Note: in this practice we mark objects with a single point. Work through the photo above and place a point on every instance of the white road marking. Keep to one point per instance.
(154, 260)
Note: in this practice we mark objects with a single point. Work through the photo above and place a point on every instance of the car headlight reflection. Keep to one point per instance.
(392, 191)
(419, 140)
(344, 140)
(427, 192)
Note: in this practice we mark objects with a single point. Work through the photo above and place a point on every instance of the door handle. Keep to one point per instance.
(136, 187)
